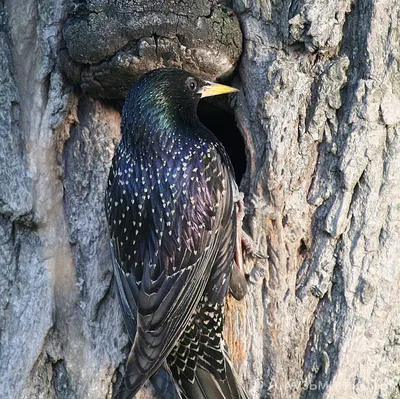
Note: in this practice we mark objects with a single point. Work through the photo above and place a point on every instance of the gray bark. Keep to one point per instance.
(319, 110)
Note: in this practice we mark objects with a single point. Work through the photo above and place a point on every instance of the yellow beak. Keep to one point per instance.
(214, 89)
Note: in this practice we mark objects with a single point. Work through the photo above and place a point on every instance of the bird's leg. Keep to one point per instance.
(251, 247)
(238, 284)
(242, 238)
(239, 221)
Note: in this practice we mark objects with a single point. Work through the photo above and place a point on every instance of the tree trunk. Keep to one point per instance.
(319, 111)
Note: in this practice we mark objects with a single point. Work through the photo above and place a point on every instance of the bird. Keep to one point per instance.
(170, 205)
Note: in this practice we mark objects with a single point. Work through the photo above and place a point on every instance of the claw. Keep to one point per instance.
(251, 247)
(239, 279)
(259, 255)
(243, 239)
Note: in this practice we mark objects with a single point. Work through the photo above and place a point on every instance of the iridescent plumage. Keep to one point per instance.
(171, 209)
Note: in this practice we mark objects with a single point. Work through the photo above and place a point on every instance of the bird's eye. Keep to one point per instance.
(192, 84)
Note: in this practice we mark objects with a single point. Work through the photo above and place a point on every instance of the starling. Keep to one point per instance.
(170, 204)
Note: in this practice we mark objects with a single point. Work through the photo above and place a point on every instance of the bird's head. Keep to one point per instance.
(168, 95)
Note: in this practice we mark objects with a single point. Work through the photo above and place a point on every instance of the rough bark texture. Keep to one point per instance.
(319, 109)
(110, 44)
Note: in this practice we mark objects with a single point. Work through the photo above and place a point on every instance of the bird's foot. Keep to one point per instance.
(251, 247)
(243, 240)
(244, 244)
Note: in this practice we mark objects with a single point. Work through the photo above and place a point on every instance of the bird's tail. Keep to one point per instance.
(165, 385)
(207, 386)
(162, 381)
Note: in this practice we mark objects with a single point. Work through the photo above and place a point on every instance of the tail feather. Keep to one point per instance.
(162, 381)
(207, 386)
(204, 386)
(165, 385)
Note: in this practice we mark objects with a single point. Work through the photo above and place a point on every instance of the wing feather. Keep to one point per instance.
(167, 236)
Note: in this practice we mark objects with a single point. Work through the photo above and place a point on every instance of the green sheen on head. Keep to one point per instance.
(165, 98)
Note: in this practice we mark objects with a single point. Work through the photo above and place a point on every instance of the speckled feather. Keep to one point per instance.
(170, 206)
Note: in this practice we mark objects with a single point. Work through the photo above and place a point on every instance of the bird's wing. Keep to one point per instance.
(127, 293)
(176, 243)
(162, 380)
(127, 289)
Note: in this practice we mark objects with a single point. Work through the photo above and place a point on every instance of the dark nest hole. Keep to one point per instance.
(217, 116)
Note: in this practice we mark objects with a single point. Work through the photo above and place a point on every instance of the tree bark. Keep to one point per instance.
(319, 111)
